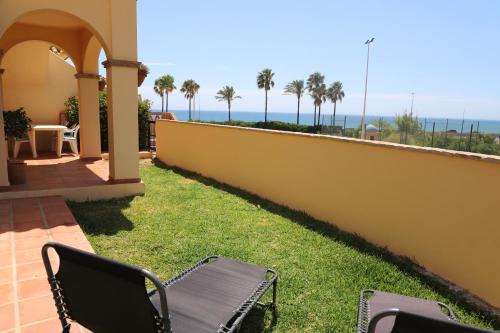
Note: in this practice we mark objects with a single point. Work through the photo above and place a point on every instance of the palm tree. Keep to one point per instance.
(316, 88)
(320, 98)
(335, 94)
(265, 81)
(297, 88)
(190, 89)
(160, 90)
(169, 86)
(163, 86)
(228, 94)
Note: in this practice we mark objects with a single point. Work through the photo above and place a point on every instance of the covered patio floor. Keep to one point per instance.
(26, 303)
(69, 176)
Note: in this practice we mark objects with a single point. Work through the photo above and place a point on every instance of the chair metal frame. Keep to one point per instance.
(232, 326)
(365, 325)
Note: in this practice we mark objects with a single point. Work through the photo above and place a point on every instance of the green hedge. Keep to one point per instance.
(272, 125)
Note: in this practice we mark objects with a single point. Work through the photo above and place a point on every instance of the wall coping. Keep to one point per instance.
(379, 144)
(121, 63)
(87, 76)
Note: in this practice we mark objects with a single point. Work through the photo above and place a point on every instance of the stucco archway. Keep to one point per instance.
(82, 29)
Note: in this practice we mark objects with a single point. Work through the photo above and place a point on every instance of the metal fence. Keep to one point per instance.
(151, 135)
(462, 135)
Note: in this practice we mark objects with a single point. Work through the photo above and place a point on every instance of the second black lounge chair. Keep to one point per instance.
(381, 312)
(107, 296)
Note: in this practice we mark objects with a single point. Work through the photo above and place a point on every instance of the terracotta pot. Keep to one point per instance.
(17, 172)
(102, 84)
(141, 76)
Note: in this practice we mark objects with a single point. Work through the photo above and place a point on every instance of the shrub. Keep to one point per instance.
(144, 108)
(16, 123)
(71, 105)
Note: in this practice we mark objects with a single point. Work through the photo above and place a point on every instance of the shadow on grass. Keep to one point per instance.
(352, 240)
(105, 218)
(255, 321)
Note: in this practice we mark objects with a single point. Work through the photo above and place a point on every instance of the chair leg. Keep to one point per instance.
(275, 286)
(74, 147)
(17, 145)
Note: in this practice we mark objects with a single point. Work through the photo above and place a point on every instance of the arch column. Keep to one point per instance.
(90, 128)
(4, 177)
(123, 129)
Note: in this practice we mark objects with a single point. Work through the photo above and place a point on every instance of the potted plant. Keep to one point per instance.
(142, 73)
(102, 83)
(16, 125)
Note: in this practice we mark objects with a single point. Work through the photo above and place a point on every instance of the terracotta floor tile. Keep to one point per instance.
(5, 275)
(7, 320)
(50, 201)
(28, 220)
(34, 270)
(32, 233)
(28, 225)
(60, 220)
(48, 326)
(5, 259)
(49, 172)
(30, 216)
(4, 218)
(37, 309)
(6, 293)
(5, 236)
(31, 243)
(5, 246)
(33, 288)
(28, 256)
(69, 238)
(66, 229)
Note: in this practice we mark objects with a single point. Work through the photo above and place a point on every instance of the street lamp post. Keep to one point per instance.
(412, 100)
(367, 43)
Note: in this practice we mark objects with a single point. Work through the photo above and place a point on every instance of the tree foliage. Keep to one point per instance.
(297, 88)
(190, 89)
(265, 80)
(407, 123)
(227, 94)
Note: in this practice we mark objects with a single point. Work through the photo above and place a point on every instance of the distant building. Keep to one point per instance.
(372, 133)
(497, 140)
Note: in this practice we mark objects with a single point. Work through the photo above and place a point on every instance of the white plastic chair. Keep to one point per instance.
(17, 145)
(71, 136)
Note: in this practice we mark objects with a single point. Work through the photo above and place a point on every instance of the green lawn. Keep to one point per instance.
(183, 218)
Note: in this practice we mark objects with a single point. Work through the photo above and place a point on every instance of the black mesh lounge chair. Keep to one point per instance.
(107, 296)
(381, 312)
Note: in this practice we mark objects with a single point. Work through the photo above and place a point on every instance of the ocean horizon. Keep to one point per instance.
(351, 121)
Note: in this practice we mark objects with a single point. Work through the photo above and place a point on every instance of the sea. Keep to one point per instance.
(351, 121)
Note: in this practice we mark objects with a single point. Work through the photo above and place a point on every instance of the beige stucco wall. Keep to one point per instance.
(438, 208)
(39, 81)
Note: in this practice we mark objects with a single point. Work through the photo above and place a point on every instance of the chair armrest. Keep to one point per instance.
(422, 323)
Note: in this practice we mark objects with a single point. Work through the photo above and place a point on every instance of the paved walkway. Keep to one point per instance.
(26, 303)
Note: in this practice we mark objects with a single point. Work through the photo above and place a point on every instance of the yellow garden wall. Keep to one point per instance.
(438, 208)
(39, 81)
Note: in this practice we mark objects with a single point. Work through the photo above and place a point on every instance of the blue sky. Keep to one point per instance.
(446, 51)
